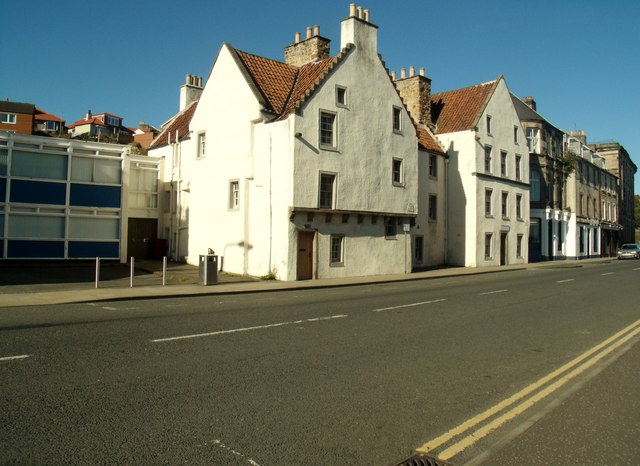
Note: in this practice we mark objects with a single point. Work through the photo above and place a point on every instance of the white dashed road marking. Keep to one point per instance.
(14, 358)
(247, 329)
(408, 305)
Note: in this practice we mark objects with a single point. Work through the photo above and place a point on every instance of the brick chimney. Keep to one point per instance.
(357, 30)
(530, 102)
(313, 49)
(190, 91)
(415, 91)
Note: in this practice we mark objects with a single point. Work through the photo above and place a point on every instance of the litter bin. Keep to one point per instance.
(208, 269)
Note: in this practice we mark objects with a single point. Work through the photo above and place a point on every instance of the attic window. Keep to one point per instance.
(341, 96)
(397, 120)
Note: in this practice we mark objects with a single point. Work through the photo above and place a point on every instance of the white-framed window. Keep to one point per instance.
(202, 141)
(326, 191)
(519, 245)
(535, 186)
(328, 135)
(397, 172)
(487, 159)
(519, 206)
(433, 207)
(518, 167)
(533, 140)
(488, 242)
(505, 204)
(418, 249)
(50, 125)
(503, 163)
(489, 125)
(488, 208)
(433, 166)
(337, 251)
(234, 195)
(397, 119)
(8, 118)
(341, 96)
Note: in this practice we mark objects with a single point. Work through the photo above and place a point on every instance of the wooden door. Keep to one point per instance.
(305, 255)
(142, 237)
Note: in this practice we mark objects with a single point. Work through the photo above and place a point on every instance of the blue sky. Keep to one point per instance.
(578, 58)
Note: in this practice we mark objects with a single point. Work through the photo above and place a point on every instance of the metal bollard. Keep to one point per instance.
(132, 272)
(97, 271)
(164, 270)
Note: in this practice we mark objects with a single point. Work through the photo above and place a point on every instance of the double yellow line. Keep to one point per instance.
(519, 404)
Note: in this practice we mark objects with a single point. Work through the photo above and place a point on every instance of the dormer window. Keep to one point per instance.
(112, 121)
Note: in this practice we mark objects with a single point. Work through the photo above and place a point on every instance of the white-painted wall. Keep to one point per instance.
(467, 182)
(432, 231)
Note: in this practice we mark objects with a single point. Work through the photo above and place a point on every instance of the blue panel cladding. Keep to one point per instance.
(3, 189)
(38, 192)
(91, 249)
(19, 249)
(87, 195)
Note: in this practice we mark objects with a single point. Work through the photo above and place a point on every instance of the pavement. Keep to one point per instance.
(33, 283)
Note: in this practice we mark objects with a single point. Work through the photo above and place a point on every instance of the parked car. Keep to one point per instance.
(629, 251)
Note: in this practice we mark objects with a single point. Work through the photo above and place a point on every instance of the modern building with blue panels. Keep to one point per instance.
(68, 199)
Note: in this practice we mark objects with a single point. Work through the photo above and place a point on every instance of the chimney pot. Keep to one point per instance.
(412, 71)
(352, 9)
(393, 75)
(422, 71)
(360, 12)
(403, 73)
(309, 32)
(316, 30)
(297, 38)
(366, 15)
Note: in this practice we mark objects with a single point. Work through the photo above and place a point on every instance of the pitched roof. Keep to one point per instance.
(427, 141)
(179, 125)
(16, 107)
(526, 113)
(285, 87)
(460, 109)
(41, 115)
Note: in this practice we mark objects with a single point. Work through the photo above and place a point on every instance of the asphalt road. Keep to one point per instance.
(354, 375)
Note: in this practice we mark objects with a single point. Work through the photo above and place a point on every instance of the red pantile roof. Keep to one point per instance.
(427, 141)
(179, 126)
(273, 79)
(285, 87)
(459, 110)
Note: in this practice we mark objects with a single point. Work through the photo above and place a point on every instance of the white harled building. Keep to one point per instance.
(299, 169)
(488, 175)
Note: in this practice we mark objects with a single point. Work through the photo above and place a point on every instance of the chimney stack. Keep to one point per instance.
(190, 90)
(530, 102)
(313, 49)
(415, 91)
(357, 30)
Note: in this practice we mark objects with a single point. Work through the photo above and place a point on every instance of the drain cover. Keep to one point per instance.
(421, 459)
